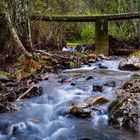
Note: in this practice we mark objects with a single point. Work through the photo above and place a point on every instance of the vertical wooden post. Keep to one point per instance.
(101, 36)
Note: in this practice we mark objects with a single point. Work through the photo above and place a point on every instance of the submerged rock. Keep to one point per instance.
(132, 64)
(124, 112)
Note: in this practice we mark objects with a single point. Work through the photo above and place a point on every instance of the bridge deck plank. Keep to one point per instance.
(114, 17)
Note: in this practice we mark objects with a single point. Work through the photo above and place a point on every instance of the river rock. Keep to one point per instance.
(110, 84)
(89, 78)
(17, 128)
(124, 112)
(102, 67)
(96, 100)
(97, 88)
(102, 56)
(83, 109)
(80, 110)
(91, 60)
(132, 64)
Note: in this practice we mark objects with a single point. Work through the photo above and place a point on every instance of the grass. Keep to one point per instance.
(73, 44)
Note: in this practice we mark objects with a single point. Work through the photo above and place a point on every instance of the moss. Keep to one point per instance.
(3, 73)
(136, 53)
(112, 105)
(73, 44)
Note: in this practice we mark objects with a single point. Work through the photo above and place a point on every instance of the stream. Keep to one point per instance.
(46, 117)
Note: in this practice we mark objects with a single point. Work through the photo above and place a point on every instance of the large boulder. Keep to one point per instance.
(124, 112)
(132, 63)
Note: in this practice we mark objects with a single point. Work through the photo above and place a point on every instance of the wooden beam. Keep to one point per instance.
(113, 17)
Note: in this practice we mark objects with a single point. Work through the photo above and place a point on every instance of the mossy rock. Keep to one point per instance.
(124, 112)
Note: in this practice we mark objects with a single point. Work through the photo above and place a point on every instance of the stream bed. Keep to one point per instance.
(46, 117)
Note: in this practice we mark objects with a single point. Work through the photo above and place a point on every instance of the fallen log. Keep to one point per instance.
(25, 93)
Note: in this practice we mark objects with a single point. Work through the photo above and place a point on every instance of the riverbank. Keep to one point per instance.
(20, 80)
(49, 117)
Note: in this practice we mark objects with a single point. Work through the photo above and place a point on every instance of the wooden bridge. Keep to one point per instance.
(101, 25)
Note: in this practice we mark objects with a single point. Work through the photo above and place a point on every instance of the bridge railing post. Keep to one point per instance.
(101, 36)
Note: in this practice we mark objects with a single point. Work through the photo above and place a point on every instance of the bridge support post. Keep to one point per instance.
(101, 36)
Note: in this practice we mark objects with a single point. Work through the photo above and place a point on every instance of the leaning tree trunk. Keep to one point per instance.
(21, 12)
(13, 30)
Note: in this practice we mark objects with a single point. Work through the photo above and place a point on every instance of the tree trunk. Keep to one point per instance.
(22, 22)
(13, 31)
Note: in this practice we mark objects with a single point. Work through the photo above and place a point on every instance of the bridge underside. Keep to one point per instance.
(101, 26)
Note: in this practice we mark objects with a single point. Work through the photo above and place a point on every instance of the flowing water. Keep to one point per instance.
(46, 117)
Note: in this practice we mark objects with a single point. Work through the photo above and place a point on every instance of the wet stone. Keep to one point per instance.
(110, 84)
(17, 128)
(97, 88)
(64, 80)
(96, 100)
(46, 78)
(86, 139)
(102, 56)
(73, 84)
(91, 60)
(89, 78)
(80, 112)
(131, 64)
(102, 67)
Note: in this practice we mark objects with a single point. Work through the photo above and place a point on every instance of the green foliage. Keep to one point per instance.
(39, 1)
(19, 71)
(136, 53)
(72, 65)
(32, 70)
(121, 31)
(88, 33)
(81, 56)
